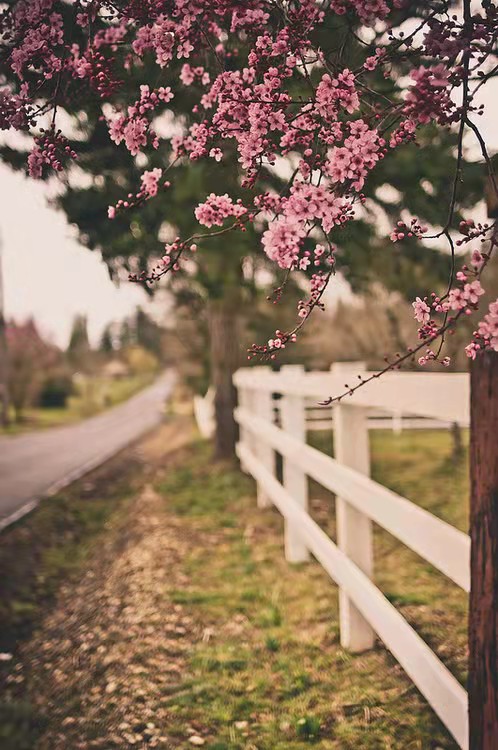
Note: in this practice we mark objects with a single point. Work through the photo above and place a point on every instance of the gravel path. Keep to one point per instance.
(106, 658)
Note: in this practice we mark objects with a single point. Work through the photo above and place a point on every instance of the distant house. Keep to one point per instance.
(115, 370)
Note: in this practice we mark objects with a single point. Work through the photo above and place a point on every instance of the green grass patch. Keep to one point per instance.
(37, 555)
(197, 488)
(51, 544)
(272, 674)
(98, 395)
(419, 465)
(45, 548)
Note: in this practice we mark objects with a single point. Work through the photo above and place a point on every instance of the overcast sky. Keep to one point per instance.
(49, 276)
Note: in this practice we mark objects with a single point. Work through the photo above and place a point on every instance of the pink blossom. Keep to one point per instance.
(477, 259)
(488, 327)
(282, 241)
(472, 350)
(217, 208)
(422, 310)
(473, 291)
(457, 300)
(269, 83)
(216, 154)
(150, 181)
(135, 135)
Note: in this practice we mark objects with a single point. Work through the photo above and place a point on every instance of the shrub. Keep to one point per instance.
(55, 391)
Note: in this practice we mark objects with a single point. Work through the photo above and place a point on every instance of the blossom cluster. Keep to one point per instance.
(268, 86)
(150, 186)
(134, 128)
(461, 299)
(217, 208)
(402, 230)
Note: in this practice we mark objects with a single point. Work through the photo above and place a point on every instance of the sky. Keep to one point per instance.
(47, 274)
(50, 277)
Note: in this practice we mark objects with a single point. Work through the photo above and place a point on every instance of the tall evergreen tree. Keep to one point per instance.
(79, 343)
(107, 340)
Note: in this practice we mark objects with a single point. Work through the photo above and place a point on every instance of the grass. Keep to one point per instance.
(263, 667)
(418, 465)
(52, 544)
(39, 554)
(270, 672)
(100, 394)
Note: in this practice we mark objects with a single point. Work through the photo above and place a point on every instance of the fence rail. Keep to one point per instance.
(364, 610)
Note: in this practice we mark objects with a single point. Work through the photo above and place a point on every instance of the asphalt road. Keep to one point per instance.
(37, 464)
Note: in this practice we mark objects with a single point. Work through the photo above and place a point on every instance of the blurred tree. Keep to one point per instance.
(30, 357)
(148, 333)
(78, 349)
(126, 334)
(107, 340)
(56, 388)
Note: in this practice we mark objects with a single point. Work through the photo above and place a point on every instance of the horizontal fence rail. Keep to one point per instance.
(433, 679)
(445, 547)
(424, 394)
(265, 398)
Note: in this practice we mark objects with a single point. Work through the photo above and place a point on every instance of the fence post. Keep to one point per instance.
(397, 422)
(354, 530)
(262, 405)
(483, 610)
(293, 418)
(244, 401)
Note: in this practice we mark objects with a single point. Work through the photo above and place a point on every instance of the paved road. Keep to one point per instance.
(37, 464)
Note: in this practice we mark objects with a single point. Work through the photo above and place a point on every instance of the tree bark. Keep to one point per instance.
(483, 616)
(4, 389)
(225, 355)
(4, 380)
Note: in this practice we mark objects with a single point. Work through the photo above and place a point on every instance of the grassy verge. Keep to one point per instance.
(269, 672)
(418, 465)
(56, 563)
(53, 543)
(45, 550)
(99, 394)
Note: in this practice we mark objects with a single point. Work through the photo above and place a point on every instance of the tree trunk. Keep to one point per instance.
(4, 389)
(224, 342)
(483, 616)
(4, 379)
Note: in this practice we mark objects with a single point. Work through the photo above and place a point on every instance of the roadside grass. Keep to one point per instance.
(100, 394)
(418, 465)
(269, 672)
(43, 558)
(39, 554)
(47, 547)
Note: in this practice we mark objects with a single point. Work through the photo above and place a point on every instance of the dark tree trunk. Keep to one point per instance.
(483, 617)
(4, 390)
(4, 375)
(225, 355)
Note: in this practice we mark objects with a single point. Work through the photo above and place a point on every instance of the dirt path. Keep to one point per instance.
(112, 649)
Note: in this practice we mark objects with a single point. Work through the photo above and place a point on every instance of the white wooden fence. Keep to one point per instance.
(364, 610)
(321, 417)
